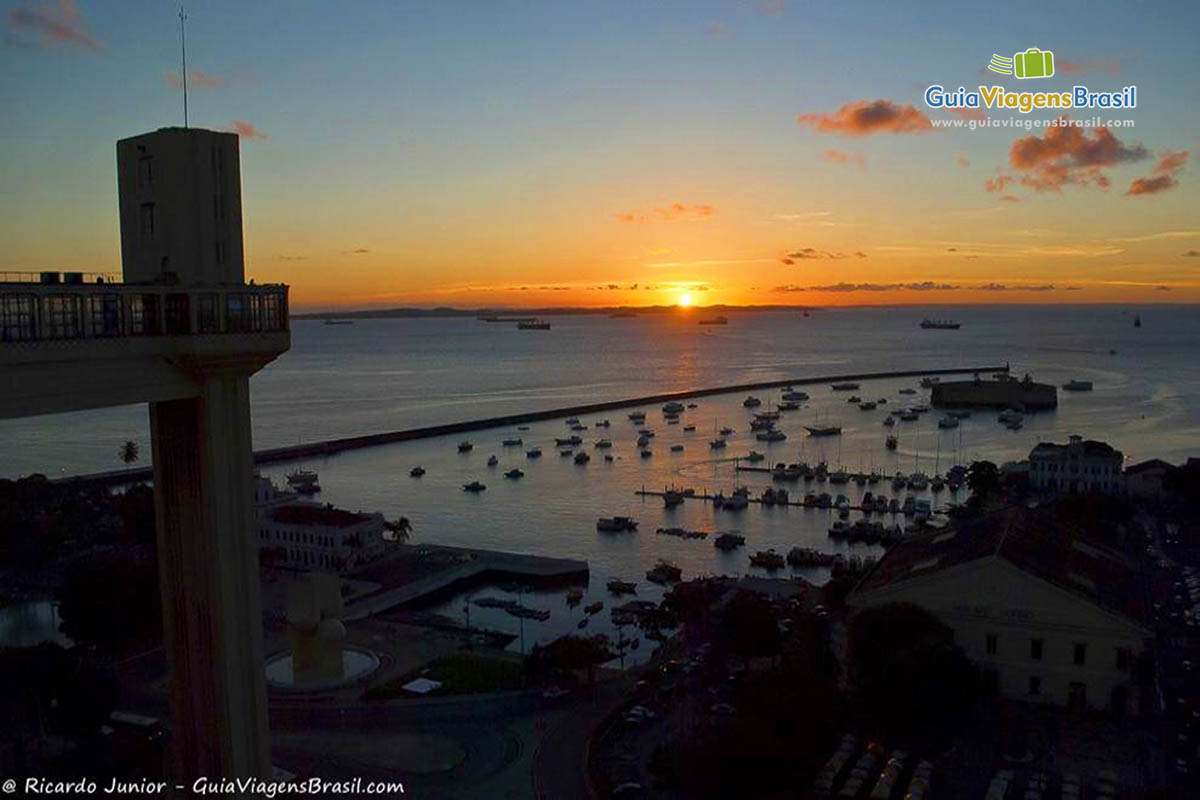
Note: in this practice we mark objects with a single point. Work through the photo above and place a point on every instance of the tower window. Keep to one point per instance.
(1036, 646)
(147, 220)
(145, 175)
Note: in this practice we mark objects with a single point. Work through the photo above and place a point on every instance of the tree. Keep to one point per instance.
(567, 654)
(749, 625)
(110, 602)
(401, 529)
(129, 452)
(906, 674)
(983, 477)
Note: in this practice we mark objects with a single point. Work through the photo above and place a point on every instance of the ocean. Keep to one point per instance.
(388, 374)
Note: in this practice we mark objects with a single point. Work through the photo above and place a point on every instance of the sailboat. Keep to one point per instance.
(1137, 321)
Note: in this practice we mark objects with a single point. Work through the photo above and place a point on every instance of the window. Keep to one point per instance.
(62, 317)
(18, 317)
(272, 311)
(145, 175)
(1035, 649)
(142, 313)
(1080, 654)
(219, 252)
(147, 220)
(1035, 686)
(991, 644)
(237, 313)
(179, 320)
(105, 313)
(206, 313)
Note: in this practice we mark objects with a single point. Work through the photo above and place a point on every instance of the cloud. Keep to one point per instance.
(976, 114)
(672, 213)
(838, 157)
(1149, 237)
(924, 286)
(53, 24)
(962, 161)
(998, 183)
(1010, 198)
(717, 29)
(773, 8)
(1162, 177)
(198, 80)
(1163, 288)
(358, 251)
(811, 253)
(865, 117)
(292, 258)
(1192, 254)
(1111, 67)
(247, 130)
(1067, 154)
(1001, 287)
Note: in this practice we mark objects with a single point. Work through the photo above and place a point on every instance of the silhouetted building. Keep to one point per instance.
(1078, 466)
(1050, 617)
(1145, 480)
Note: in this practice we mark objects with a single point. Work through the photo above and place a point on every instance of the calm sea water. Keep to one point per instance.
(392, 374)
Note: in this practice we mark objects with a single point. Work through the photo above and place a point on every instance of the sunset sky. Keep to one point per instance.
(529, 154)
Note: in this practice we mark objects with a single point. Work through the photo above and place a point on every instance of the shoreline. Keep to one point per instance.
(333, 446)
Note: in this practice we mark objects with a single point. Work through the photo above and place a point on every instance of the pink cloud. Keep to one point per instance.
(53, 23)
(865, 117)
(838, 157)
(1068, 154)
(672, 213)
(247, 130)
(1162, 177)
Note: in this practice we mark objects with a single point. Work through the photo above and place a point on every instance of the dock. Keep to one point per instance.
(800, 503)
(334, 446)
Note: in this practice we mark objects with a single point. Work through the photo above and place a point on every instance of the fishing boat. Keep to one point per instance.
(823, 430)
(465, 447)
(416, 472)
(940, 325)
(492, 461)
(726, 431)
(672, 498)
(664, 572)
(889, 421)
(729, 541)
(752, 402)
(795, 397)
(689, 428)
(603, 444)
(474, 487)
(616, 524)
(868, 405)
(717, 444)
(582, 458)
(646, 452)
(637, 416)
(676, 448)
(1078, 386)
(621, 587)
(603, 423)
(891, 442)
(533, 452)
(844, 387)
(754, 456)
(673, 408)
(772, 435)
(514, 473)
(767, 559)
(301, 477)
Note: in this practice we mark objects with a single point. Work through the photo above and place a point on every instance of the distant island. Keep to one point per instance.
(515, 313)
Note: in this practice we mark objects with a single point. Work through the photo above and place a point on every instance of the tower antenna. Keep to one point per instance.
(183, 52)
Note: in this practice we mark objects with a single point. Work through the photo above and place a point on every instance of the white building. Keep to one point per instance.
(1049, 617)
(1078, 466)
(301, 534)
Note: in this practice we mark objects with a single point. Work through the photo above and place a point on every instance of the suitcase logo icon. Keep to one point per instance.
(1033, 63)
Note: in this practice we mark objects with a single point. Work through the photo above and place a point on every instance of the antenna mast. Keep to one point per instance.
(183, 52)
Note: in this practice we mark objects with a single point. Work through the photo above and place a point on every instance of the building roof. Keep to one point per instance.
(1154, 463)
(1091, 448)
(312, 514)
(1032, 541)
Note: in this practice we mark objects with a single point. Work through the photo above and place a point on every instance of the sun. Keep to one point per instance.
(685, 300)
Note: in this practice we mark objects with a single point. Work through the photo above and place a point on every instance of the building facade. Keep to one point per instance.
(1078, 466)
(301, 534)
(1048, 619)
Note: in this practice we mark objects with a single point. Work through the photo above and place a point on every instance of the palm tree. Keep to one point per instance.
(129, 452)
(401, 529)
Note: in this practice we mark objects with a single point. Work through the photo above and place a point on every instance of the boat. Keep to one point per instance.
(416, 472)
(339, 322)
(492, 461)
(622, 587)
(642, 441)
(582, 458)
(823, 430)
(689, 428)
(574, 595)
(1010, 416)
(646, 432)
(845, 387)
(807, 557)
(908, 390)
(767, 416)
(637, 416)
(1137, 321)
(583, 623)
(761, 424)
(892, 442)
(937, 484)
(927, 383)
(616, 524)
(771, 435)
(729, 541)
(889, 421)
(869, 405)
(795, 397)
(608, 457)
(603, 444)
(664, 572)
(754, 456)
(673, 408)
(736, 501)
(534, 325)
(854, 399)
(524, 612)
(909, 506)
(717, 444)
(752, 402)
(714, 321)
(646, 452)
(840, 529)
(513, 441)
(514, 473)
(566, 452)
(907, 414)
(603, 423)
(533, 452)
(570, 441)
(839, 477)
(726, 431)
(918, 481)
(681, 533)
(579, 426)
(948, 421)
(1078, 386)
(473, 486)
(465, 447)
(301, 477)
(1014, 424)
(940, 325)
(593, 608)
(672, 498)
(788, 405)
(676, 448)
(899, 481)
(767, 559)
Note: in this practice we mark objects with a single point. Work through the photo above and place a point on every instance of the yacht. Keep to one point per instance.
(513, 441)
(771, 435)
(844, 387)
(940, 325)
(948, 421)
(752, 402)
(616, 524)
(492, 461)
(514, 473)
(417, 472)
(603, 444)
(767, 559)
(533, 452)
(465, 447)
(717, 444)
(869, 405)
(622, 587)
(795, 397)
(637, 416)
(664, 572)
(823, 430)
(673, 408)
(754, 456)
(473, 486)
(908, 390)
(1078, 386)
(582, 458)
(302, 478)
(534, 325)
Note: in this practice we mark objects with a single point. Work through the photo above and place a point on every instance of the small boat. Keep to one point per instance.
(693, 405)
(602, 423)
(566, 452)
(891, 442)
(339, 322)
(416, 472)
(940, 325)
(513, 441)
(918, 481)
(582, 458)
(869, 405)
(937, 484)
(583, 623)
(845, 387)
(608, 457)
(514, 473)
(771, 435)
(839, 530)
(767, 559)
(664, 572)
(717, 444)
(646, 432)
(899, 481)
(1009, 416)
(908, 414)
(729, 541)
(672, 498)
(646, 452)
(735, 502)
(603, 444)
(726, 431)
(889, 421)
(948, 421)
(788, 405)
(465, 447)
(767, 416)
(637, 416)
(473, 486)
(823, 430)
(616, 524)
(522, 427)
(593, 608)
(673, 408)
(854, 399)
(689, 428)
(622, 587)
(1137, 321)
(533, 452)
(908, 390)
(795, 397)
(1078, 386)
(713, 321)
(492, 461)
(676, 448)
(752, 402)
(754, 456)
(574, 595)
(533, 325)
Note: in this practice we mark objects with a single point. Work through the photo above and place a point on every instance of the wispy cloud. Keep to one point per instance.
(839, 157)
(865, 117)
(1191, 254)
(357, 251)
(1111, 67)
(292, 258)
(51, 24)
(926, 286)
(672, 213)
(962, 161)
(247, 130)
(198, 80)
(811, 253)
(1163, 176)
(1151, 237)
